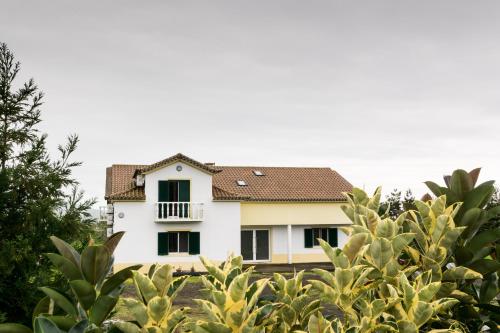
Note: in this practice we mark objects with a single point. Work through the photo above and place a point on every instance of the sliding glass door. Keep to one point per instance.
(255, 244)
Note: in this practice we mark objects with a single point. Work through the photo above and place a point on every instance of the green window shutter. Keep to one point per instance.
(333, 238)
(308, 238)
(194, 243)
(162, 243)
(163, 190)
(184, 195)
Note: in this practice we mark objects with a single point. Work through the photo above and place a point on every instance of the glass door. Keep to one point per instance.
(255, 245)
(247, 244)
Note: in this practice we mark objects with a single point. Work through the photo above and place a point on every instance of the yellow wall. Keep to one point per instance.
(263, 213)
(299, 258)
(185, 266)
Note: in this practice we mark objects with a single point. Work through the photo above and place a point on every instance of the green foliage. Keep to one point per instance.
(388, 277)
(152, 311)
(38, 196)
(93, 291)
(477, 247)
(296, 305)
(394, 204)
(232, 302)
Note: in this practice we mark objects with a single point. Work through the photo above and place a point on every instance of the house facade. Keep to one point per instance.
(178, 208)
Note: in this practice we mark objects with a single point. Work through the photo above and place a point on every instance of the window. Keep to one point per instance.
(311, 236)
(258, 173)
(241, 183)
(178, 242)
(319, 233)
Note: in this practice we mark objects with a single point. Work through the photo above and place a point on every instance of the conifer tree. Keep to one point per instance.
(38, 196)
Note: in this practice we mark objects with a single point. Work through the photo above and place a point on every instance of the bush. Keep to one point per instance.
(393, 275)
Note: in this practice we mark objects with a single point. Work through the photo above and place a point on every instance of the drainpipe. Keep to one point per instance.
(289, 243)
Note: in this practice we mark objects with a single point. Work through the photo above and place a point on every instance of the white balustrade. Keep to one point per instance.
(178, 211)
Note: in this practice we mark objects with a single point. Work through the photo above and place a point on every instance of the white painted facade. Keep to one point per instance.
(219, 229)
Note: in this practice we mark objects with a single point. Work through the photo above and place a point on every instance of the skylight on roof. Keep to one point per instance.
(241, 183)
(258, 173)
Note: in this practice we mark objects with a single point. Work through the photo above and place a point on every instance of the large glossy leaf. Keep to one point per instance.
(117, 279)
(43, 306)
(158, 307)
(380, 252)
(400, 242)
(489, 288)
(435, 188)
(79, 327)
(461, 183)
(336, 256)
(66, 250)
(479, 196)
(84, 291)
(144, 286)
(474, 174)
(95, 263)
(238, 287)
(113, 240)
(137, 309)
(162, 278)
(421, 313)
(65, 266)
(483, 239)
(14, 328)
(44, 325)
(354, 245)
(318, 324)
(126, 327)
(460, 273)
(485, 266)
(101, 309)
(61, 300)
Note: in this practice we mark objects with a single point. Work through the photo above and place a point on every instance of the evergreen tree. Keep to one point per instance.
(38, 196)
(394, 204)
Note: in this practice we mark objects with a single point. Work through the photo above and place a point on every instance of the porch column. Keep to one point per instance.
(289, 243)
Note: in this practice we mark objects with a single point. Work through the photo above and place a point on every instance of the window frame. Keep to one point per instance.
(324, 237)
(178, 233)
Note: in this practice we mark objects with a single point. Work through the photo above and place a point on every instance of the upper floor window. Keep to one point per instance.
(174, 191)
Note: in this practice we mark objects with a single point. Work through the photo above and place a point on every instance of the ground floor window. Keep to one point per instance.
(178, 242)
(255, 244)
(320, 233)
(313, 235)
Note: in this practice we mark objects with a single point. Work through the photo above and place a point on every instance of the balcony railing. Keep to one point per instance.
(178, 211)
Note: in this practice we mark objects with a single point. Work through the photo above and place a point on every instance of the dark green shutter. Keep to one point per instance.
(194, 243)
(333, 237)
(163, 190)
(162, 243)
(308, 238)
(184, 195)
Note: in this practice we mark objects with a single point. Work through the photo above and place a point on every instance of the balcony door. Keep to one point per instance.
(174, 197)
(255, 245)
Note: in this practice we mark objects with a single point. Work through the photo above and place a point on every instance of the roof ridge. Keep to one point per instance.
(275, 167)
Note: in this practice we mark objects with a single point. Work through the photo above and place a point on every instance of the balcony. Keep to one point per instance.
(178, 211)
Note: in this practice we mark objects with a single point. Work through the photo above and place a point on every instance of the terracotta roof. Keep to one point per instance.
(220, 194)
(283, 183)
(175, 158)
(277, 184)
(119, 179)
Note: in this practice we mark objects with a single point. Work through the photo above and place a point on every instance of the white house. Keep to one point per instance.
(178, 208)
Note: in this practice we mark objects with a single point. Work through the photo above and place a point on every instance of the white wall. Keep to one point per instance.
(219, 230)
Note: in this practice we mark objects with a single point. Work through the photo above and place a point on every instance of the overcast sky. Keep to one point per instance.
(385, 92)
